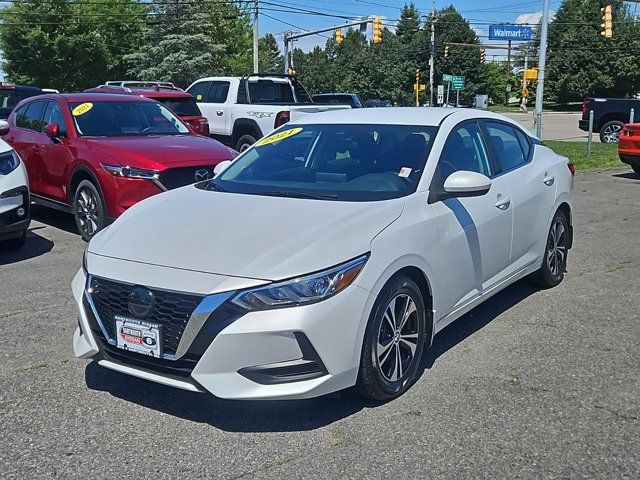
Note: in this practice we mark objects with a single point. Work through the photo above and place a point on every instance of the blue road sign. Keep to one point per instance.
(510, 32)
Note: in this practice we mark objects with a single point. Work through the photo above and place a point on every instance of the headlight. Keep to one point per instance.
(9, 161)
(303, 290)
(130, 172)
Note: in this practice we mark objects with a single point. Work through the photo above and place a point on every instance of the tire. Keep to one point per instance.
(610, 131)
(554, 262)
(15, 243)
(378, 377)
(244, 142)
(88, 210)
(636, 168)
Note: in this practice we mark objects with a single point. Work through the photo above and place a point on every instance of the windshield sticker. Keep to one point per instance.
(279, 136)
(404, 172)
(82, 109)
(199, 97)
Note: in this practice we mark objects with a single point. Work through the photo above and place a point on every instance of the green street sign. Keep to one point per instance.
(446, 77)
(457, 83)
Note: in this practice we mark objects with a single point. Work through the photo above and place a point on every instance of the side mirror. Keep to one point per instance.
(219, 168)
(4, 127)
(467, 184)
(52, 130)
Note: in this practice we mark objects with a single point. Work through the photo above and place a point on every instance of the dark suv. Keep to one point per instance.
(11, 95)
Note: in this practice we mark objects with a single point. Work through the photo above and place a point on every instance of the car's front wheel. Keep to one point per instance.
(393, 341)
(88, 210)
(554, 263)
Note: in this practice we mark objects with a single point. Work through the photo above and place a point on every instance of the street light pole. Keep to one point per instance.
(541, 64)
(433, 52)
(255, 37)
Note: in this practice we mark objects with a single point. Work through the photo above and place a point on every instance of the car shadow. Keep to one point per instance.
(34, 246)
(286, 415)
(630, 175)
(54, 218)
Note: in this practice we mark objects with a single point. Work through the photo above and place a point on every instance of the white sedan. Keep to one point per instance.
(327, 255)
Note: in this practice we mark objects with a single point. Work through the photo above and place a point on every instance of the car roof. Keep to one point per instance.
(427, 116)
(150, 92)
(95, 97)
(332, 94)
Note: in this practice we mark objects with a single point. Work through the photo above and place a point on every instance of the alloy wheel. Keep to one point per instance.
(87, 212)
(556, 248)
(611, 133)
(397, 338)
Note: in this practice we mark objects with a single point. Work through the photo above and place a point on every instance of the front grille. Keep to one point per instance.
(179, 177)
(171, 310)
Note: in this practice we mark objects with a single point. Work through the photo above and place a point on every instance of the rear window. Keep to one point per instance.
(268, 91)
(182, 106)
(10, 98)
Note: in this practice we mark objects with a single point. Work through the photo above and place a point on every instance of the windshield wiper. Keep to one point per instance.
(289, 194)
(211, 185)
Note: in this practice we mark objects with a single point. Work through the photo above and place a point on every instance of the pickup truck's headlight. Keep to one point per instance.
(9, 161)
(303, 290)
(130, 172)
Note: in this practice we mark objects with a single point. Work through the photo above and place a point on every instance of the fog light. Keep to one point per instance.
(21, 211)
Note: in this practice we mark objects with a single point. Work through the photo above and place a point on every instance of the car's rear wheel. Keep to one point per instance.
(636, 168)
(88, 210)
(554, 263)
(610, 131)
(244, 142)
(393, 341)
(15, 243)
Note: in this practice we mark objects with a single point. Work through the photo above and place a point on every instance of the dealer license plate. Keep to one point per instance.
(138, 336)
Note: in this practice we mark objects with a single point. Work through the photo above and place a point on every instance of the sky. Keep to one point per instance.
(277, 14)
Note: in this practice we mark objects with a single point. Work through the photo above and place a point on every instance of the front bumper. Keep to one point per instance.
(289, 353)
(12, 203)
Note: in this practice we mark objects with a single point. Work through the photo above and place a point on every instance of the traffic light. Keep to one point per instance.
(607, 18)
(483, 55)
(446, 50)
(377, 30)
(338, 36)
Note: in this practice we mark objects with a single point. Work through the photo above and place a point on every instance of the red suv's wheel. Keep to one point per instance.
(88, 210)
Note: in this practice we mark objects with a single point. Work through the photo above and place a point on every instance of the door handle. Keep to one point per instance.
(503, 202)
(548, 179)
(219, 113)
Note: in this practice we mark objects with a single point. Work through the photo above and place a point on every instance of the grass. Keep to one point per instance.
(602, 154)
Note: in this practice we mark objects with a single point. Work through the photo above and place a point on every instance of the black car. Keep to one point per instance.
(377, 103)
(338, 99)
(609, 116)
(11, 94)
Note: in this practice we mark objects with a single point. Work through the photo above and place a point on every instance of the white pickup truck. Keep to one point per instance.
(241, 110)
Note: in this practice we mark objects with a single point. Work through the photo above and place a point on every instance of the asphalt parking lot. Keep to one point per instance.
(531, 384)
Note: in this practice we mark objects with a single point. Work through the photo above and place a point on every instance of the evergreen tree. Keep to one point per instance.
(269, 55)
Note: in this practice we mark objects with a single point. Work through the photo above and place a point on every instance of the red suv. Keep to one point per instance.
(177, 100)
(95, 155)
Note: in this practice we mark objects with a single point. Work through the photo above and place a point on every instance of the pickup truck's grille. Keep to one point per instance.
(179, 177)
(172, 310)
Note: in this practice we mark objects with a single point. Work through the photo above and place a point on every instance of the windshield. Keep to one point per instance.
(332, 162)
(183, 106)
(119, 119)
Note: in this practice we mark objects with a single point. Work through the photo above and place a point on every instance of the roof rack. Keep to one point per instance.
(115, 87)
(141, 84)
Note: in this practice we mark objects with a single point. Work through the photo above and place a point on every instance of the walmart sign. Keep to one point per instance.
(510, 32)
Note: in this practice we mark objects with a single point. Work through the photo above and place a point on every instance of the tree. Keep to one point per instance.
(409, 24)
(69, 45)
(188, 39)
(582, 63)
(270, 59)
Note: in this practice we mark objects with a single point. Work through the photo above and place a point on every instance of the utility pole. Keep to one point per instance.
(508, 73)
(433, 52)
(255, 37)
(541, 64)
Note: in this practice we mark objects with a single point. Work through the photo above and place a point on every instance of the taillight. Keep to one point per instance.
(282, 118)
(204, 127)
(572, 168)
(584, 108)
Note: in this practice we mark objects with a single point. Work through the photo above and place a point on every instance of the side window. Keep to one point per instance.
(505, 145)
(199, 91)
(464, 150)
(53, 114)
(524, 141)
(218, 92)
(33, 116)
(20, 116)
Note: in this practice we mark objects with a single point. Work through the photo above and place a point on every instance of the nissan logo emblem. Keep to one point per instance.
(201, 175)
(141, 302)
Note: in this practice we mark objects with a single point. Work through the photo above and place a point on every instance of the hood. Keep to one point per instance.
(250, 236)
(158, 152)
